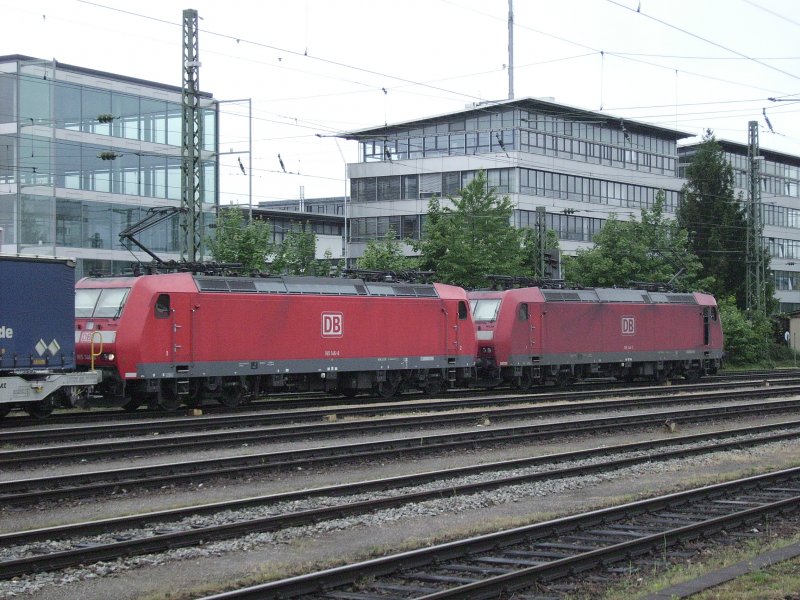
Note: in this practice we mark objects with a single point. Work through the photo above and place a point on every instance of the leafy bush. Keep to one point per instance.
(747, 341)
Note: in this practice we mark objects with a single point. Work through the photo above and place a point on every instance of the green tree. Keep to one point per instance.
(715, 219)
(385, 254)
(654, 250)
(235, 241)
(297, 254)
(471, 239)
(328, 267)
(747, 340)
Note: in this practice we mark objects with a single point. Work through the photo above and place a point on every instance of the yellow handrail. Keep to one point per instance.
(100, 351)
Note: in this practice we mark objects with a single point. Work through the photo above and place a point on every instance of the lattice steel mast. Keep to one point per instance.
(756, 267)
(191, 219)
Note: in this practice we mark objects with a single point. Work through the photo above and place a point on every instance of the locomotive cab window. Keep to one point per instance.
(162, 306)
(106, 302)
(485, 309)
(85, 301)
(462, 310)
(522, 313)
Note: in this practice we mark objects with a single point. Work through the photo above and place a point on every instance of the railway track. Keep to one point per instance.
(52, 548)
(296, 402)
(18, 490)
(525, 562)
(233, 430)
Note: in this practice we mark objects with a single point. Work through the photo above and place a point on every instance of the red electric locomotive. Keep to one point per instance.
(180, 338)
(535, 335)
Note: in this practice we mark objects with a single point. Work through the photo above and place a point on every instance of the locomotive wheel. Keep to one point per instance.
(349, 392)
(169, 399)
(390, 387)
(196, 394)
(564, 379)
(661, 376)
(524, 382)
(231, 393)
(41, 409)
(134, 402)
(692, 375)
(386, 389)
(432, 387)
(4, 410)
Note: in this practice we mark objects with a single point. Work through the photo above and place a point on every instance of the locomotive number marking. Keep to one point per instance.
(332, 324)
(628, 326)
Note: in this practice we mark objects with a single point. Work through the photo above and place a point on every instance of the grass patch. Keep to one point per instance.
(778, 582)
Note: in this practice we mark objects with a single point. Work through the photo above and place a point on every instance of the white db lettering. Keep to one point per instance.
(332, 325)
(628, 326)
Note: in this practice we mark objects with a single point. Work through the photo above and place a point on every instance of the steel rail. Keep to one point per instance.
(22, 490)
(175, 424)
(609, 523)
(189, 536)
(102, 449)
(317, 400)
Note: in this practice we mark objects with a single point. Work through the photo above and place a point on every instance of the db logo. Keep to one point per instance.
(332, 324)
(628, 326)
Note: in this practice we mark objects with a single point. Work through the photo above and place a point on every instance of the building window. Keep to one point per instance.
(451, 183)
(410, 185)
(389, 188)
(430, 185)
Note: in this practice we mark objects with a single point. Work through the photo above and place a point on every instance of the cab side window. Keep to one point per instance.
(162, 306)
(462, 310)
(522, 312)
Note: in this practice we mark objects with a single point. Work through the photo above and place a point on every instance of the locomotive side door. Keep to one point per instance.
(179, 307)
(527, 330)
(454, 333)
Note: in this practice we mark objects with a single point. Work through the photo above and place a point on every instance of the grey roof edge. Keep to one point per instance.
(741, 148)
(533, 103)
(97, 73)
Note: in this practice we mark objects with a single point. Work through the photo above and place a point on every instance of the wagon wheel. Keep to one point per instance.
(41, 409)
(390, 387)
(231, 393)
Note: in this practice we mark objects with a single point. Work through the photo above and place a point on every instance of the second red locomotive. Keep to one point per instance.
(180, 338)
(531, 336)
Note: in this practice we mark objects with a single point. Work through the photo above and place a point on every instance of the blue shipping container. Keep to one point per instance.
(37, 313)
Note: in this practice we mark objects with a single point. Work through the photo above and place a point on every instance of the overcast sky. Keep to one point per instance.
(316, 67)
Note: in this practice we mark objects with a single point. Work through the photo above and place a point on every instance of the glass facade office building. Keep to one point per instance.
(84, 154)
(780, 212)
(580, 165)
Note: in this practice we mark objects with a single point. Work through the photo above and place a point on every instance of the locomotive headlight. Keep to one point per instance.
(109, 356)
